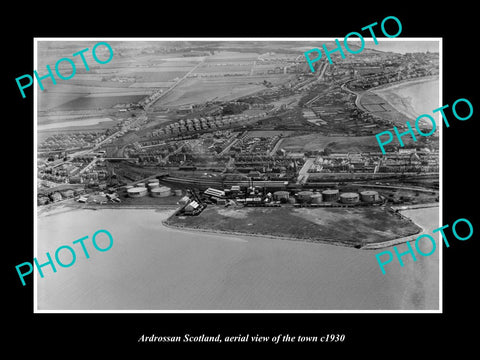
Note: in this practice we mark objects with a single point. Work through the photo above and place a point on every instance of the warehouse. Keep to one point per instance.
(215, 192)
(191, 207)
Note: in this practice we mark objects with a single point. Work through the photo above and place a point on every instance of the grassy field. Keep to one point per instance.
(153, 76)
(204, 89)
(314, 142)
(340, 226)
(99, 102)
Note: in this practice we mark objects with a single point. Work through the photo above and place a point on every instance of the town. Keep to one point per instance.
(295, 139)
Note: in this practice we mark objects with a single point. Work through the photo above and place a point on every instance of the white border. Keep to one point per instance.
(313, 40)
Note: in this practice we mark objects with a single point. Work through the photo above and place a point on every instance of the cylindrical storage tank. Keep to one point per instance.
(279, 195)
(330, 195)
(349, 198)
(161, 191)
(153, 181)
(304, 196)
(128, 187)
(140, 185)
(369, 196)
(152, 185)
(178, 192)
(137, 192)
(316, 198)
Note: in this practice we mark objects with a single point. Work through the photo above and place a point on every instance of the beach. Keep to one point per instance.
(412, 98)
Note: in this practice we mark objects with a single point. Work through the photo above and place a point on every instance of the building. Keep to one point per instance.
(215, 192)
(184, 200)
(191, 207)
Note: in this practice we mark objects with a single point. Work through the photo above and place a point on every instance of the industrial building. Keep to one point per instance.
(191, 207)
(184, 200)
(215, 192)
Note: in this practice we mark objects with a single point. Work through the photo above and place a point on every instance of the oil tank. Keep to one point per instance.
(304, 196)
(369, 196)
(140, 185)
(349, 198)
(152, 185)
(161, 191)
(278, 195)
(330, 195)
(316, 198)
(136, 192)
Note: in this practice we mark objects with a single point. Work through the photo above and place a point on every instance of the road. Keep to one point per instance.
(303, 173)
(146, 107)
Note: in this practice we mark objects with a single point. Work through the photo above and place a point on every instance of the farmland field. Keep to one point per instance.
(224, 68)
(201, 90)
(152, 76)
(102, 102)
(54, 100)
(159, 84)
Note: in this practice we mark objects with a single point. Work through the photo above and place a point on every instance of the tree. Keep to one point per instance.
(327, 151)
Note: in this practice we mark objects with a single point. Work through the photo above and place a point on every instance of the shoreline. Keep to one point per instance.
(385, 93)
(370, 246)
(236, 233)
(376, 91)
(166, 208)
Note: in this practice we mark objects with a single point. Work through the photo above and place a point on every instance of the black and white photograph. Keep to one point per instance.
(227, 175)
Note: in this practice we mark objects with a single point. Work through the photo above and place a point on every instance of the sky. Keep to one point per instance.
(403, 47)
